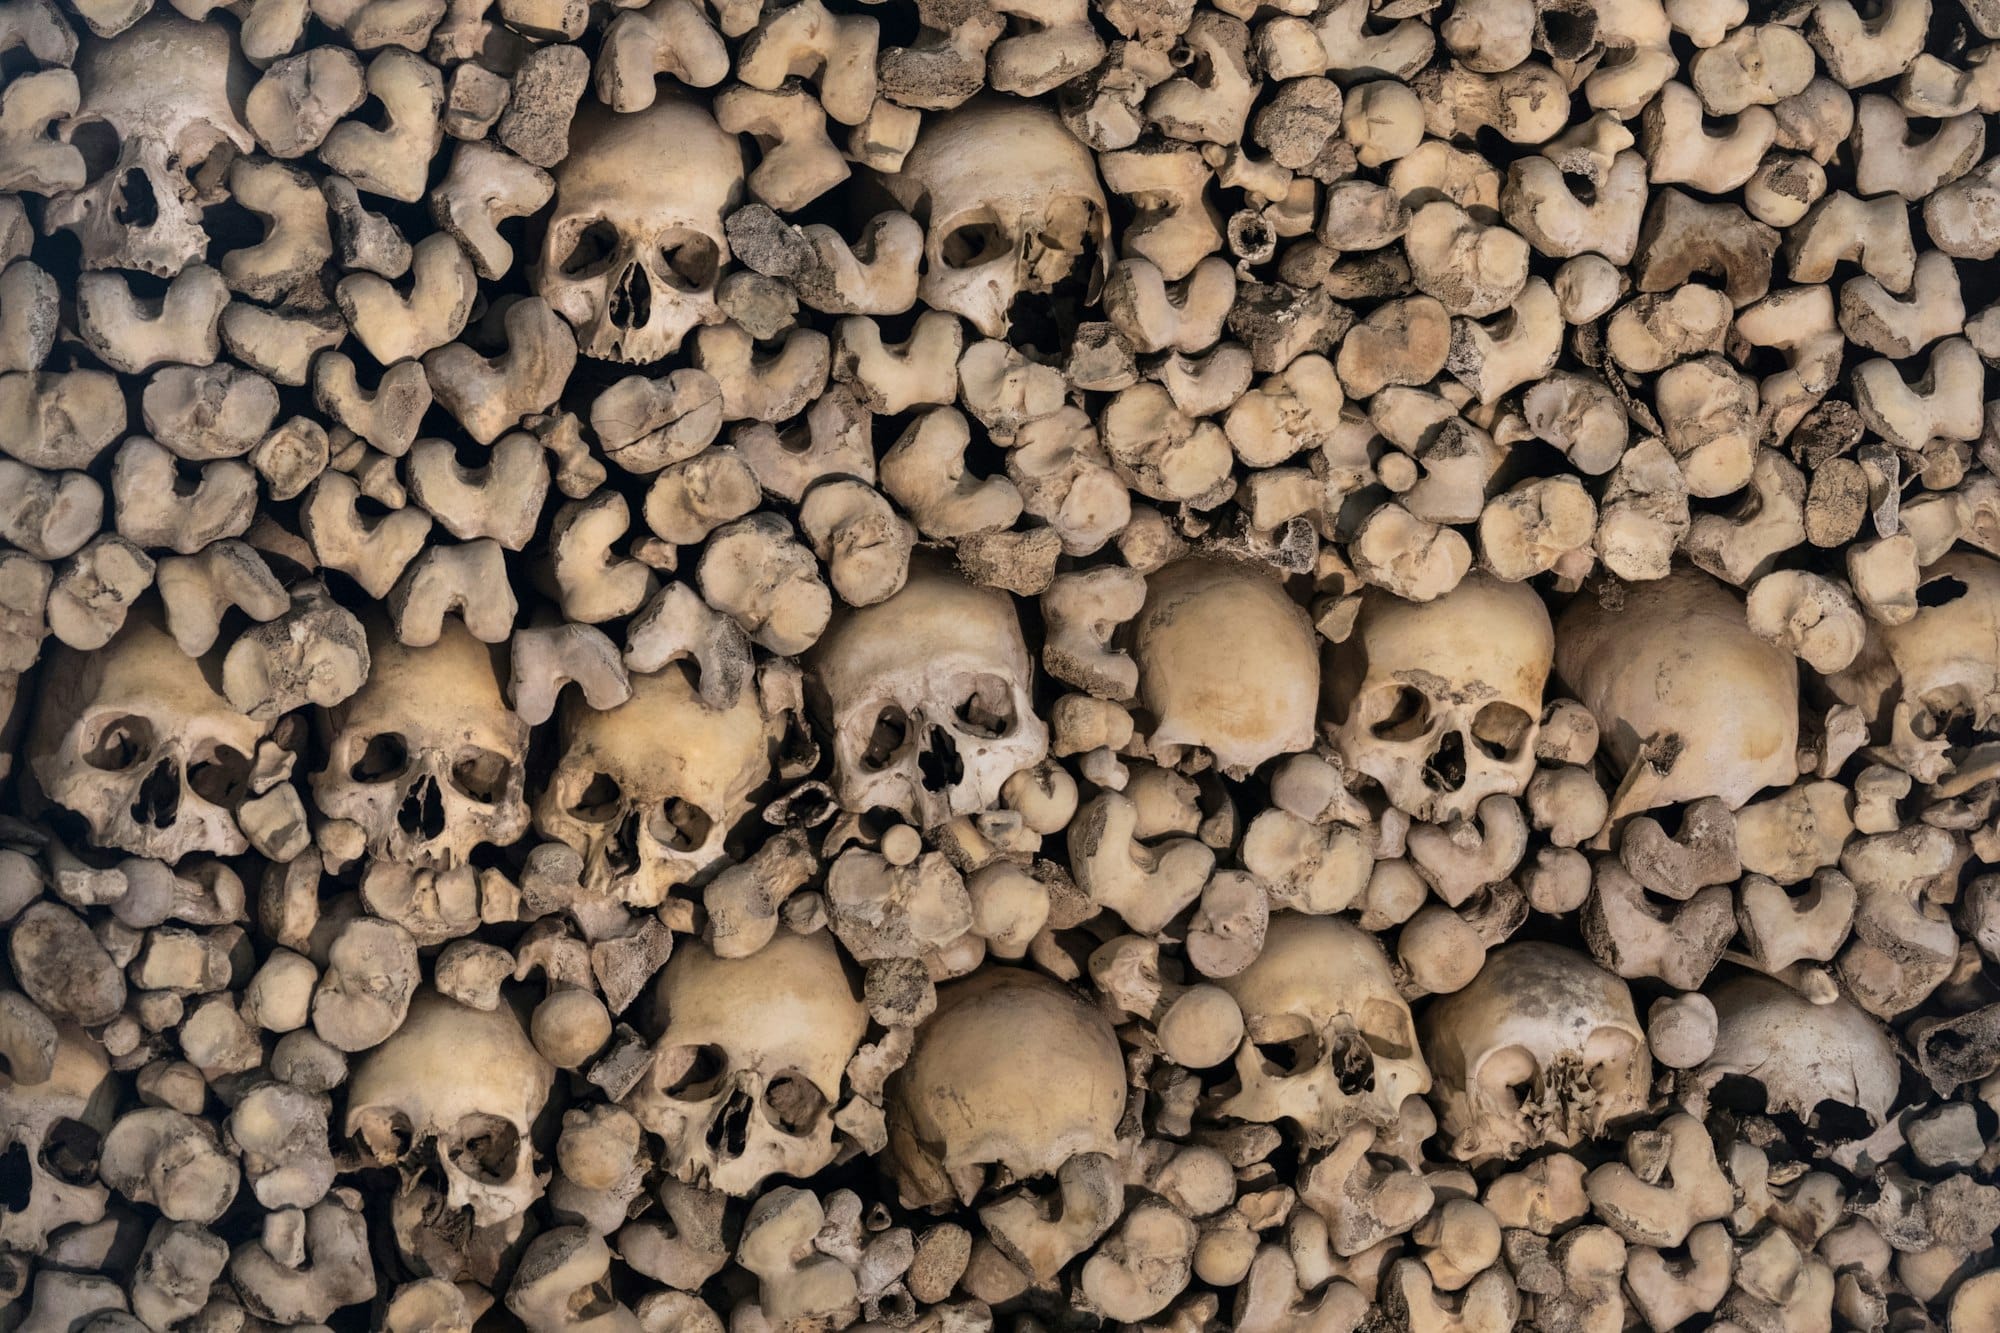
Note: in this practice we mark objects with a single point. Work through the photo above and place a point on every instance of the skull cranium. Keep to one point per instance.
(1012, 1072)
(1010, 202)
(426, 757)
(1227, 661)
(157, 114)
(1933, 682)
(457, 1088)
(135, 739)
(1440, 701)
(1543, 1047)
(749, 1061)
(50, 1132)
(635, 246)
(647, 792)
(1680, 685)
(1328, 1042)
(930, 698)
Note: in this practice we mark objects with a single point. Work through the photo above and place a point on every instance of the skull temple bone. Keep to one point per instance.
(647, 792)
(635, 246)
(158, 124)
(1543, 1048)
(1227, 661)
(1440, 702)
(1010, 202)
(456, 1088)
(1688, 701)
(427, 758)
(1328, 1041)
(135, 739)
(747, 1068)
(930, 696)
(1010, 1078)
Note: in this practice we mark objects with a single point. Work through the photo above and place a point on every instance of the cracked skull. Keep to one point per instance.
(135, 739)
(1328, 1042)
(157, 125)
(930, 698)
(1932, 683)
(748, 1065)
(1440, 701)
(647, 792)
(635, 247)
(455, 1090)
(426, 758)
(1010, 1078)
(1543, 1048)
(1010, 204)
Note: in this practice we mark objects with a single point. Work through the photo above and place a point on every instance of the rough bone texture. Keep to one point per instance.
(1206, 666)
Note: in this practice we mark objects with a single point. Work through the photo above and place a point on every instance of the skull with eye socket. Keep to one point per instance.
(749, 1060)
(135, 739)
(648, 791)
(426, 757)
(157, 125)
(1440, 702)
(1328, 1042)
(635, 247)
(930, 697)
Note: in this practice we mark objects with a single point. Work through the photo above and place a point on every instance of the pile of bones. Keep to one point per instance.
(1280, 666)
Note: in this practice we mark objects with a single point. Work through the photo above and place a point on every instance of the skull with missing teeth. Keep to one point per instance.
(647, 792)
(1543, 1048)
(635, 247)
(135, 739)
(930, 697)
(427, 758)
(456, 1089)
(1010, 203)
(749, 1061)
(1328, 1042)
(1440, 701)
(157, 124)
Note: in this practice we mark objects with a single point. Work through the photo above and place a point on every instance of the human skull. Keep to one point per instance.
(1440, 702)
(427, 758)
(1227, 661)
(635, 246)
(1543, 1048)
(747, 1068)
(930, 698)
(1671, 666)
(157, 114)
(1932, 683)
(49, 1136)
(1010, 1078)
(1328, 1042)
(1010, 202)
(135, 739)
(647, 792)
(458, 1089)
(1807, 1057)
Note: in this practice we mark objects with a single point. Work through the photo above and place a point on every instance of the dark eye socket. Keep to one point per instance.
(592, 250)
(987, 710)
(892, 729)
(977, 240)
(1501, 729)
(383, 758)
(1404, 717)
(123, 742)
(701, 1068)
(481, 775)
(599, 800)
(221, 778)
(691, 261)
